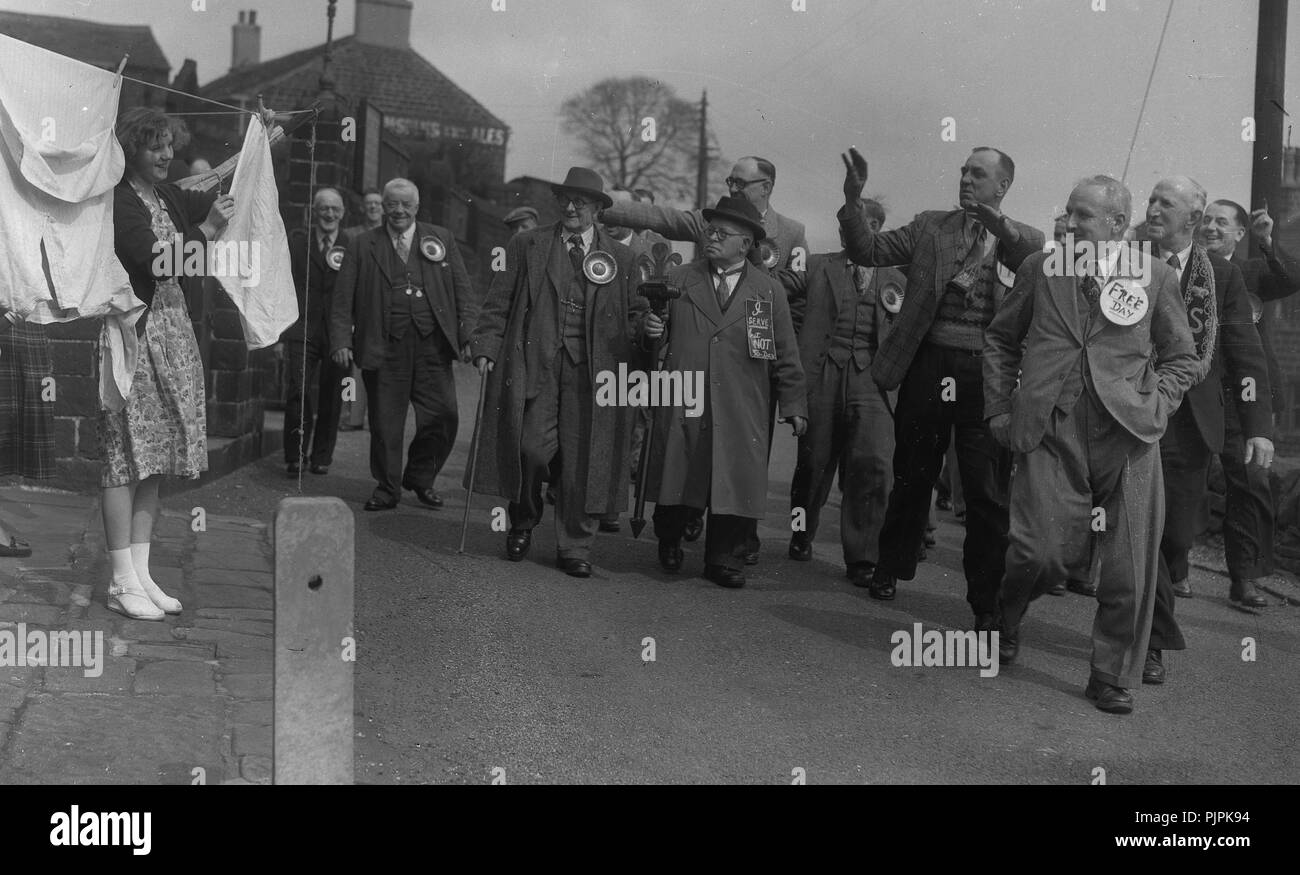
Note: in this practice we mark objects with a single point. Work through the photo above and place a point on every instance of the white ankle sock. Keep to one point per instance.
(140, 561)
(124, 576)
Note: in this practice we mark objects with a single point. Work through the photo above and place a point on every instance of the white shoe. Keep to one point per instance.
(130, 600)
(158, 597)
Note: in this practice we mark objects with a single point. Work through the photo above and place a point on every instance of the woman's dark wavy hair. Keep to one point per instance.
(142, 126)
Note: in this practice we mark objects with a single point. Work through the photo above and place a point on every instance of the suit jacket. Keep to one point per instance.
(1269, 278)
(719, 459)
(310, 271)
(814, 297)
(1140, 371)
(688, 225)
(1238, 354)
(359, 319)
(509, 335)
(932, 248)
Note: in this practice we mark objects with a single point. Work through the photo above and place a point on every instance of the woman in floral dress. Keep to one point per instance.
(162, 429)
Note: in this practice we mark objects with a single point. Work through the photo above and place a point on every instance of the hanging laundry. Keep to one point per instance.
(59, 162)
(251, 254)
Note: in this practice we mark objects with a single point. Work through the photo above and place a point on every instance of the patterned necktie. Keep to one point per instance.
(403, 248)
(724, 287)
(1091, 290)
(576, 253)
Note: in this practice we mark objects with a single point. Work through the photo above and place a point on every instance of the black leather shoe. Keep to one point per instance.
(1082, 587)
(1008, 648)
(800, 547)
(293, 470)
(517, 543)
(694, 528)
(1182, 588)
(377, 503)
(1108, 698)
(1243, 592)
(1057, 588)
(986, 623)
(1153, 669)
(883, 587)
(943, 502)
(670, 556)
(573, 567)
(550, 494)
(929, 540)
(320, 469)
(611, 526)
(860, 574)
(751, 558)
(427, 496)
(731, 578)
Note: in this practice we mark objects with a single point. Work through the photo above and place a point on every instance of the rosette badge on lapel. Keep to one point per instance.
(1124, 301)
(433, 249)
(334, 257)
(891, 298)
(600, 267)
(769, 253)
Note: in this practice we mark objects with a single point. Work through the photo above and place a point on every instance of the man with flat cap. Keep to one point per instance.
(562, 311)
(732, 324)
(403, 310)
(520, 219)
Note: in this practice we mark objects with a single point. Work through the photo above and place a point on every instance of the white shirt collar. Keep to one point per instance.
(405, 237)
(588, 238)
(1183, 257)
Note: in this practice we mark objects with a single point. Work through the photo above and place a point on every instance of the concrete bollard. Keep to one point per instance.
(314, 644)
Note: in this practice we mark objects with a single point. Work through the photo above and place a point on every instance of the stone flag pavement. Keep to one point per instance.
(183, 701)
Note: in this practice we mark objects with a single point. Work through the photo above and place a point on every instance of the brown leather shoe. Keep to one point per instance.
(1243, 592)
(1109, 698)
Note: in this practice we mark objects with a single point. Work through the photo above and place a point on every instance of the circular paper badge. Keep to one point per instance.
(600, 267)
(1123, 301)
(334, 257)
(432, 249)
(1005, 276)
(891, 298)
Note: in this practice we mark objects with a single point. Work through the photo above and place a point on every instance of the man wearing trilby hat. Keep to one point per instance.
(732, 323)
(403, 310)
(563, 310)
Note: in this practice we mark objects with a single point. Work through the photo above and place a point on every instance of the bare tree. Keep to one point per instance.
(639, 134)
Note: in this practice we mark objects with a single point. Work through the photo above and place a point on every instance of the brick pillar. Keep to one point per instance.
(74, 359)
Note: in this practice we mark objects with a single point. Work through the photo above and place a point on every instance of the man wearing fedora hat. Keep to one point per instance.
(561, 312)
(403, 311)
(731, 323)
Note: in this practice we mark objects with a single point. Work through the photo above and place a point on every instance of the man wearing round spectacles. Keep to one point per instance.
(560, 313)
(732, 324)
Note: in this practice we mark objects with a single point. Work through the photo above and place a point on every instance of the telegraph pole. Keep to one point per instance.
(702, 178)
(1270, 75)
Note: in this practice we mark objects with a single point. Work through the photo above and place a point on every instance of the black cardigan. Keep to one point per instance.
(135, 242)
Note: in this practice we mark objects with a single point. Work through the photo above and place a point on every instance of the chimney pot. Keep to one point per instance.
(383, 23)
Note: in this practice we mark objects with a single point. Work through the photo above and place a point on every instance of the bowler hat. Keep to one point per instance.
(518, 214)
(587, 182)
(735, 209)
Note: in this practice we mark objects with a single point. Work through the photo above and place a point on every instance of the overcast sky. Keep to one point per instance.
(1052, 82)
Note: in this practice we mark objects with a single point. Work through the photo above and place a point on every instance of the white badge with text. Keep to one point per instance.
(1124, 301)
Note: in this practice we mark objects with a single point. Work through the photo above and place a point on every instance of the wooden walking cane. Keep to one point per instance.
(656, 289)
(473, 456)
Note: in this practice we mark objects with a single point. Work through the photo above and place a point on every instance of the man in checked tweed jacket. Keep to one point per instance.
(959, 266)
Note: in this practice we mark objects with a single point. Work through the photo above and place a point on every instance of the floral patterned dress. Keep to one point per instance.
(163, 428)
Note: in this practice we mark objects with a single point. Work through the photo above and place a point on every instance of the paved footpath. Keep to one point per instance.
(185, 700)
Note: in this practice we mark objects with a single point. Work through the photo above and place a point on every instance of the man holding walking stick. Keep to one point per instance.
(561, 313)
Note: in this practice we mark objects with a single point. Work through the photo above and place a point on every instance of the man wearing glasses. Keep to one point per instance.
(404, 289)
(732, 324)
(751, 180)
(561, 312)
(311, 419)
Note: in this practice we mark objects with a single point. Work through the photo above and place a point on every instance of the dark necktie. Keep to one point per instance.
(724, 290)
(1173, 261)
(576, 253)
(1091, 290)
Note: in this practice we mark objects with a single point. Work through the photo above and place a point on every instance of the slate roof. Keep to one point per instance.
(92, 42)
(399, 81)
